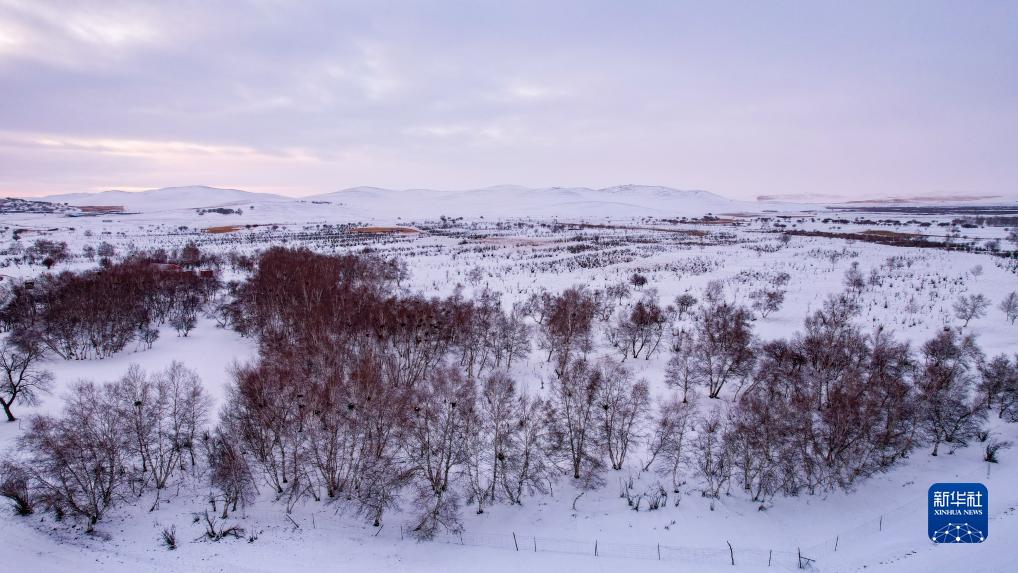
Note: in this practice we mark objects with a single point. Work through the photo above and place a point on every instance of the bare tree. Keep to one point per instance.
(854, 280)
(510, 338)
(618, 291)
(574, 417)
(1000, 385)
(566, 330)
(767, 300)
(972, 306)
(436, 432)
(76, 462)
(1009, 306)
(527, 466)
(683, 304)
(14, 485)
(105, 249)
(761, 447)
(190, 255)
(23, 377)
(229, 473)
(163, 415)
(667, 445)
(950, 413)
(504, 444)
(623, 406)
(266, 409)
(713, 462)
(639, 332)
(681, 370)
(721, 348)
(184, 316)
(489, 436)
(637, 280)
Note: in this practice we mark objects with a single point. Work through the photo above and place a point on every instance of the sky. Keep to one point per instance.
(851, 99)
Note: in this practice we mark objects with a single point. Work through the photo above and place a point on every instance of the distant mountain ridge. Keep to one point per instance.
(495, 201)
(189, 197)
(628, 200)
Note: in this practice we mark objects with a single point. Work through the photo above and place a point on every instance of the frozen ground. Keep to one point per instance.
(879, 526)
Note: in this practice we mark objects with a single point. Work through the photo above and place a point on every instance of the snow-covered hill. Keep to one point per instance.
(168, 198)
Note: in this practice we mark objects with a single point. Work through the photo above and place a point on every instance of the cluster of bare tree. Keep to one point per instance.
(46, 252)
(360, 435)
(355, 433)
(596, 415)
(819, 411)
(112, 442)
(97, 313)
(834, 405)
(823, 409)
(353, 399)
(362, 393)
(365, 395)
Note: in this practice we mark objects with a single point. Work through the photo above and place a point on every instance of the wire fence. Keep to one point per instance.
(875, 540)
(724, 555)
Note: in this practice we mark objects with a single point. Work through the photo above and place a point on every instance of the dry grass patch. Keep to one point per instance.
(224, 229)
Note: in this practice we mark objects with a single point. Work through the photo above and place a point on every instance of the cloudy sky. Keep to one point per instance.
(740, 98)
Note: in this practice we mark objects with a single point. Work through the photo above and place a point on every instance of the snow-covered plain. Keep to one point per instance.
(521, 239)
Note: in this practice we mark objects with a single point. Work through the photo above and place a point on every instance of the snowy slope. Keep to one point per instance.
(880, 525)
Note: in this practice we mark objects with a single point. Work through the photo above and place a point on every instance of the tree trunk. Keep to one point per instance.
(7, 411)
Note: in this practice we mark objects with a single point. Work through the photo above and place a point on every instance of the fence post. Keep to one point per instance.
(836, 539)
(659, 552)
(881, 523)
(731, 552)
(799, 551)
(595, 548)
(770, 553)
(535, 544)
(516, 543)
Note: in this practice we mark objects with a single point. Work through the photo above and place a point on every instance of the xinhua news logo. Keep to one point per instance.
(958, 513)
